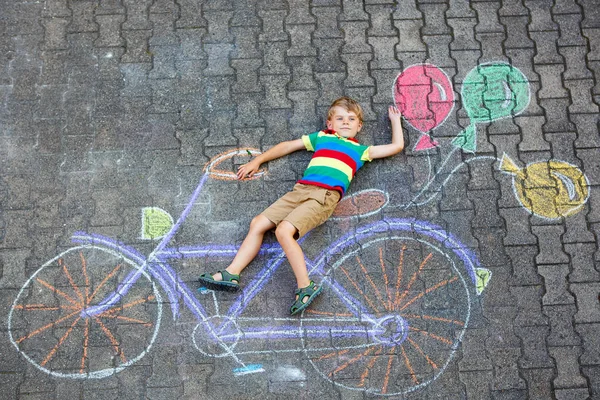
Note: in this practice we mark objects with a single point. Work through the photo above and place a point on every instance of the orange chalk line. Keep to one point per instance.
(124, 306)
(61, 293)
(399, 277)
(332, 354)
(50, 325)
(416, 346)
(136, 321)
(410, 369)
(85, 274)
(328, 313)
(110, 275)
(441, 339)
(386, 379)
(359, 291)
(451, 321)
(385, 279)
(43, 307)
(112, 339)
(370, 280)
(347, 363)
(434, 287)
(61, 262)
(414, 278)
(86, 336)
(60, 342)
(369, 366)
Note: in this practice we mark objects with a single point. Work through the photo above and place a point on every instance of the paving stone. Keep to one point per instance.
(569, 37)
(300, 41)
(463, 29)
(477, 383)
(383, 53)
(591, 345)
(562, 146)
(506, 374)
(83, 17)
(539, 382)
(137, 13)
(582, 262)
(137, 50)
(582, 102)
(566, 365)
(588, 303)
(355, 37)
(491, 45)
(541, 17)
(513, 7)
(358, 75)
(299, 13)
(577, 230)
(550, 248)
(545, 42)
(566, 7)
(586, 130)
(529, 307)
(555, 283)
(561, 325)
(245, 43)
(519, 36)
(302, 77)
(484, 216)
(535, 352)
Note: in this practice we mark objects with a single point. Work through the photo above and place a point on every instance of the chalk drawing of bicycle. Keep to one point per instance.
(397, 303)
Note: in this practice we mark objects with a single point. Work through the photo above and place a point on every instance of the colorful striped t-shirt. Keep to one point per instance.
(335, 161)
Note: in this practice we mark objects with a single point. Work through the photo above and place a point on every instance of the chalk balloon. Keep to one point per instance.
(424, 95)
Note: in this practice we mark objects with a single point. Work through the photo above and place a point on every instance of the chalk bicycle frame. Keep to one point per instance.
(96, 308)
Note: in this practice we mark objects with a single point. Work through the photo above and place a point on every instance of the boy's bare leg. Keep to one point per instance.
(250, 246)
(285, 236)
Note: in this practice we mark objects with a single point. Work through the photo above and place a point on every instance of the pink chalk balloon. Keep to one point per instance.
(424, 95)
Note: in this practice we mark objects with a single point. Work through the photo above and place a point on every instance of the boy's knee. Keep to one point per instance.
(261, 223)
(285, 230)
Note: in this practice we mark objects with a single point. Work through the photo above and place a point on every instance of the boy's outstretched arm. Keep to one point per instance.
(386, 150)
(279, 150)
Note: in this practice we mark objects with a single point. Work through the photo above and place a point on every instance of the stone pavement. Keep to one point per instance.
(466, 267)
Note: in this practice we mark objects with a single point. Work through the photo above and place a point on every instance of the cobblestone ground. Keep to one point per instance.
(464, 268)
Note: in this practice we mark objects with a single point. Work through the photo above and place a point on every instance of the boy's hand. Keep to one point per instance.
(394, 114)
(248, 169)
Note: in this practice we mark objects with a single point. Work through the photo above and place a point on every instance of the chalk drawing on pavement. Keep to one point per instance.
(360, 204)
(51, 325)
(96, 308)
(549, 189)
(491, 91)
(424, 95)
(156, 223)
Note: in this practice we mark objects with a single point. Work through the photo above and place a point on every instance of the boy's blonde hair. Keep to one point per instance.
(349, 104)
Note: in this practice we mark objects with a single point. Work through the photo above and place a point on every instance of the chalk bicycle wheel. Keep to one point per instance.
(410, 296)
(87, 313)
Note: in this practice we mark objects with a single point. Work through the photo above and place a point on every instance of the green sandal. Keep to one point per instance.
(311, 291)
(230, 282)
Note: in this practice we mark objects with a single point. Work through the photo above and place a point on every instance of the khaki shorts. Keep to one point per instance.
(305, 207)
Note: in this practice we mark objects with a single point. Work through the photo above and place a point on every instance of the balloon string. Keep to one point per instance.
(414, 201)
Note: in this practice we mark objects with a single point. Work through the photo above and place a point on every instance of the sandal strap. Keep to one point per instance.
(306, 291)
(228, 277)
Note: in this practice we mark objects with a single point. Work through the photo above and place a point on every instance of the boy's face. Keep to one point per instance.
(344, 122)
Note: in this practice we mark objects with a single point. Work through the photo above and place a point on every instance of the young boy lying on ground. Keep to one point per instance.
(337, 157)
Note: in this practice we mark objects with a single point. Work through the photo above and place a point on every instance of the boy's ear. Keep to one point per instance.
(329, 124)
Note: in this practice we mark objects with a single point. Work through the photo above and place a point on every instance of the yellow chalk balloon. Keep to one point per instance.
(549, 189)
